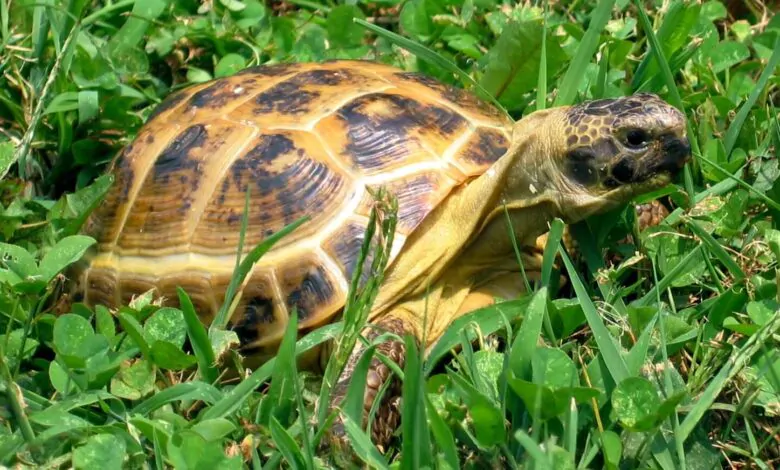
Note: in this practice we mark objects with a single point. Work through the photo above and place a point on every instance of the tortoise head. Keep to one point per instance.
(600, 154)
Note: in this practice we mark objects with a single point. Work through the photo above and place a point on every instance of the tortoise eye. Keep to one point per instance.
(637, 138)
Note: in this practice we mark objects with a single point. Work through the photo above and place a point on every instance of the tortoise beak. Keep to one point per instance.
(676, 151)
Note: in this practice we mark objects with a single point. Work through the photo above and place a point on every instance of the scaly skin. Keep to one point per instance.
(568, 162)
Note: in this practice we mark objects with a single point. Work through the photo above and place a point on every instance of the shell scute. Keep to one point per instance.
(289, 176)
(178, 183)
(485, 147)
(309, 287)
(381, 131)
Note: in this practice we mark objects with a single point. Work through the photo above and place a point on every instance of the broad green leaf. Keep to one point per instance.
(635, 400)
(104, 451)
(229, 64)
(167, 355)
(166, 324)
(67, 251)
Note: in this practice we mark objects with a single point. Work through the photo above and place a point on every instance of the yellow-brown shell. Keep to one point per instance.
(308, 138)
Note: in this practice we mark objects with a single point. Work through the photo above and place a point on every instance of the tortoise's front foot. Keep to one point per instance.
(388, 414)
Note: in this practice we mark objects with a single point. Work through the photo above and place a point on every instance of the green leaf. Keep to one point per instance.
(12, 343)
(166, 324)
(287, 445)
(134, 382)
(6, 158)
(214, 429)
(167, 355)
(21, 262)
(415, 19)
(88, 106)
(229, 64)
(635, 400)
(71, 332)
(726, 54)
(104, 451)
(67, 251)
(512, 64)
(612, 448)
(189, 450)
(553, 368)
(342, 30)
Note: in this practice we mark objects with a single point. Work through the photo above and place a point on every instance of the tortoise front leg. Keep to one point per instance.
(388, 416)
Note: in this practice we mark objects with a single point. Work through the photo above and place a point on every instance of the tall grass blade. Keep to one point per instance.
(609, 351)
(736, 362)
(416, 445)
(587, 47)
(739, 119)
(199, 339)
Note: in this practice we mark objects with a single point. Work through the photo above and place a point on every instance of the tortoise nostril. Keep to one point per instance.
(623, 171)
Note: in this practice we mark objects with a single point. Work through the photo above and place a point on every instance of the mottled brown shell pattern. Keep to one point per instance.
(306, 139)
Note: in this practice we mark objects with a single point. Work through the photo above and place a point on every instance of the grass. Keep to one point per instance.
(667, 358)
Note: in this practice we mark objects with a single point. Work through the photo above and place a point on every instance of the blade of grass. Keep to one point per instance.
(717, 250)
(383, 215)
(22, 151)
(667, 280)
(587, 47)
(353, 402)
(609, 351)
(233, 399)
(278, 400)
(736, 362)
(363, 446)
(770, 202)
(431, 56)
(195, 390)
(287, 445)
(541, 84)
(443, 435)
(199, 339)
(739, 119)
(416, 446)
(525, 342)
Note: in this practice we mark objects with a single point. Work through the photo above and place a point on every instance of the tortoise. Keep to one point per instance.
(314, 139)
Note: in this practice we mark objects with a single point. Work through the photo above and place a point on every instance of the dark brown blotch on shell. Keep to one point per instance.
(168, 103)
(345, 246)
(175, 157)
(375, 139)
(309, 292)
(485, 147)
(287, 183)
(286, 97)
(259, 310)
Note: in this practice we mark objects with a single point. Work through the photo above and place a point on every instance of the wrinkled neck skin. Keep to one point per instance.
(465, 241)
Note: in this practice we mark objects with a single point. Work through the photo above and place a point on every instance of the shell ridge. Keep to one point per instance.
(137, 185)
(203, 199)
